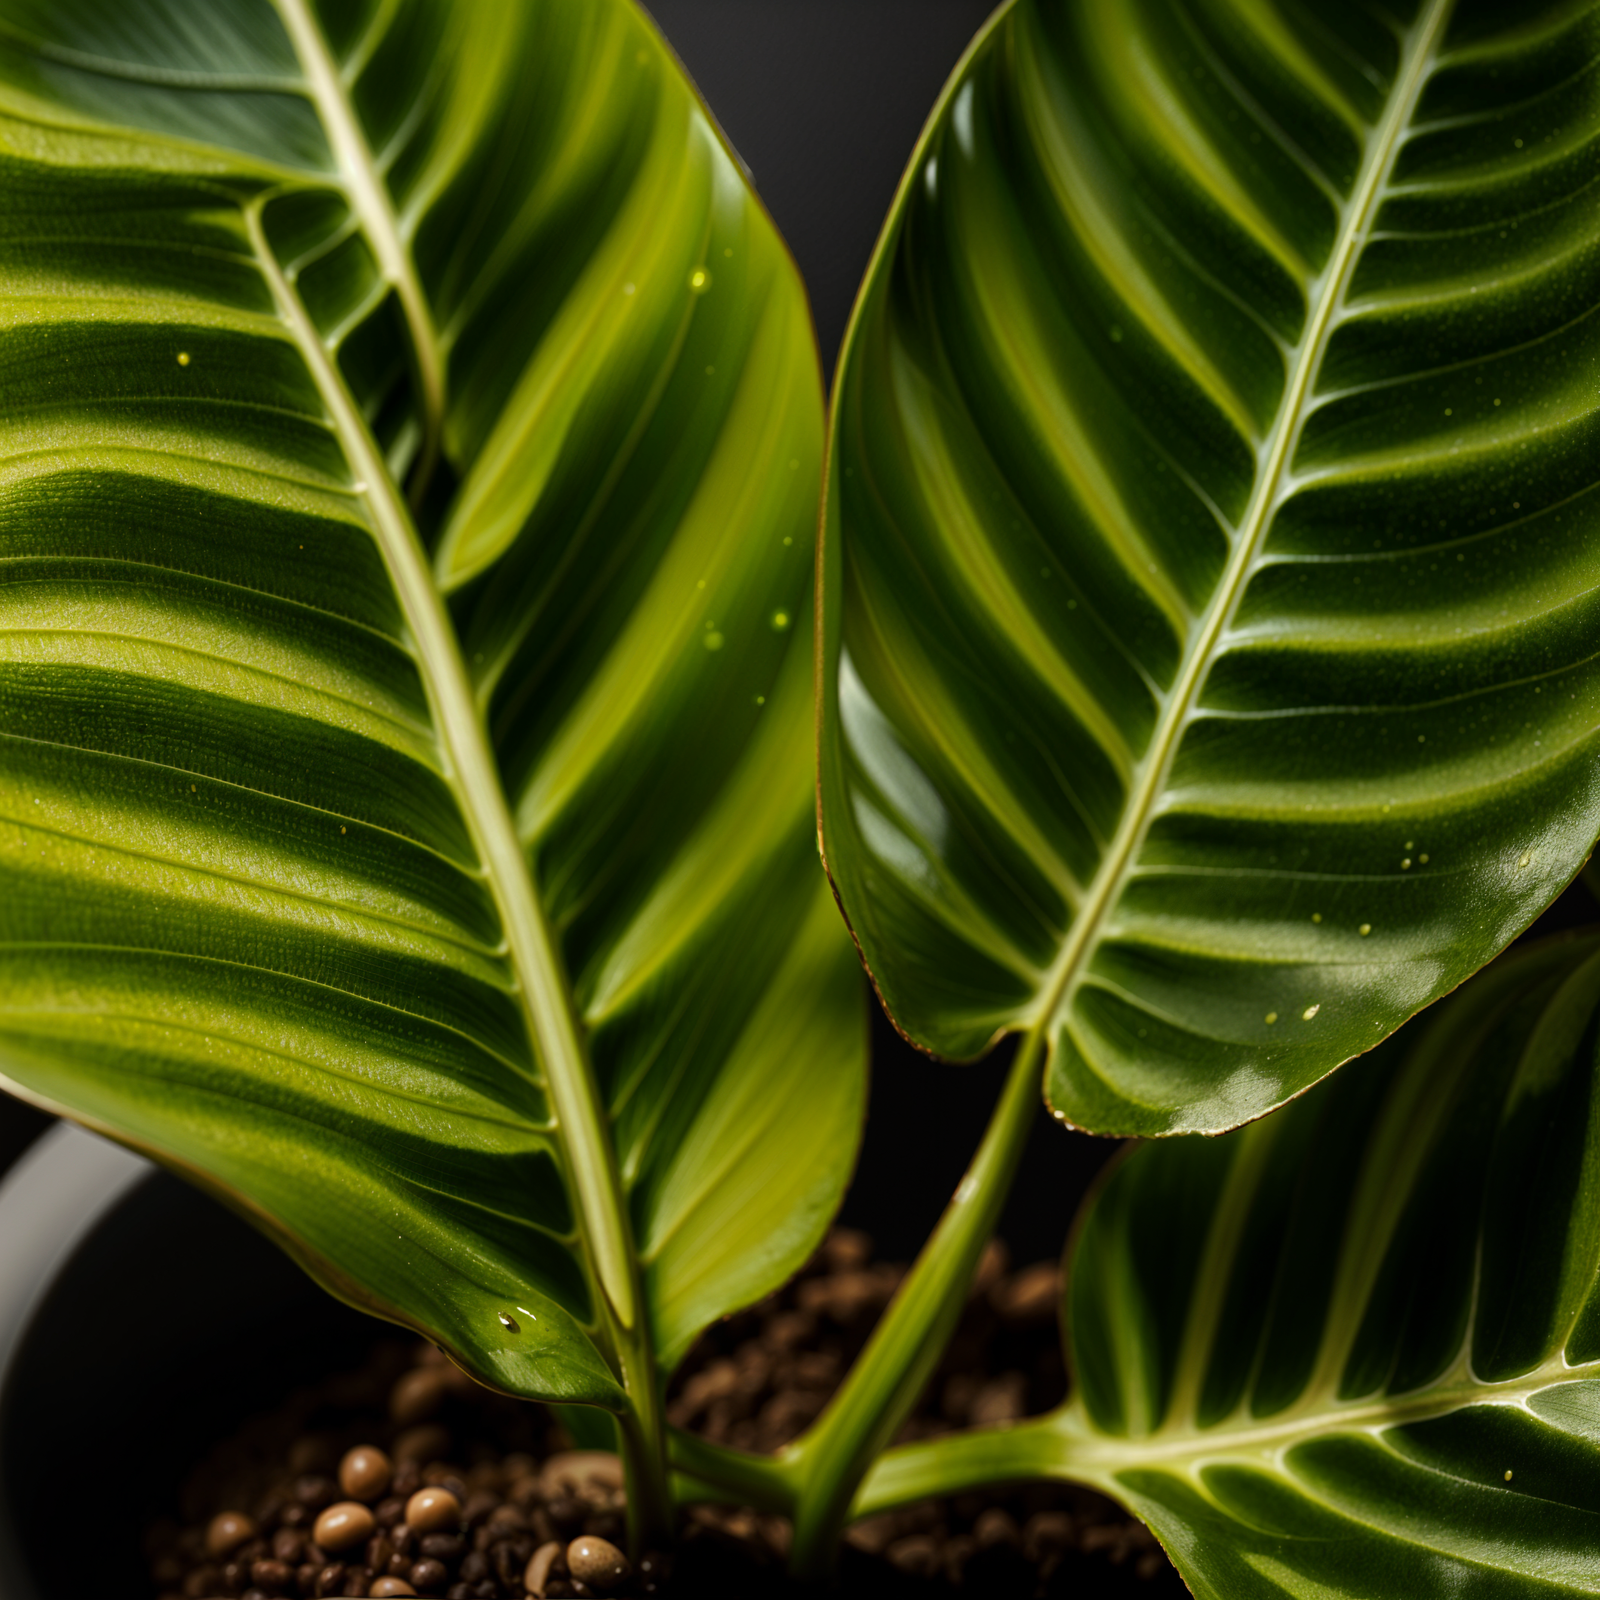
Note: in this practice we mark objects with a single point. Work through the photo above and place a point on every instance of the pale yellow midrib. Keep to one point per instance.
(1106, 888)
(1093, 1451)
(475, 779)
(369, 198)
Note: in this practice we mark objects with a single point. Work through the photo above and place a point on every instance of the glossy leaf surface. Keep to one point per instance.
(497, 980)
(1353, 1350)
(1357, 1345)
(1210, 542)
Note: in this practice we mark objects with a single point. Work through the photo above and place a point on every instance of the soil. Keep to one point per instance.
(516, 1491)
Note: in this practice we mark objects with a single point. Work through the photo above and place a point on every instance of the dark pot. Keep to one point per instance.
(139, 1323)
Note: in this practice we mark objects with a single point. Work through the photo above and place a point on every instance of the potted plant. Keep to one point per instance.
(411, 766)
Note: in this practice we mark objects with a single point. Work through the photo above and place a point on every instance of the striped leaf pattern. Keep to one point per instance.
(410, 427)
(1209, 553)
(1367, 1358)
(1353, 1350)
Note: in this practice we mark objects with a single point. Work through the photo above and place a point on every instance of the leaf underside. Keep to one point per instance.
(261, 267)
(1354, 1349)
(1210, 547)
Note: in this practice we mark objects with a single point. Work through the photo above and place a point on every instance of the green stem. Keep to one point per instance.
(1026, 1452)
(642, 1435)
(706, 1471)
(830, 1460)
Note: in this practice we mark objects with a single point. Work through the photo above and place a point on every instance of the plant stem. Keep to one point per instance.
(642, 1433)
(1026, 1452)
(830, 1460)
(765, 1482)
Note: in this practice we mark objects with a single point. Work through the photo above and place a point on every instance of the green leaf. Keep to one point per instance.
(1209, 579)
(496, 979)
(1354, 1349)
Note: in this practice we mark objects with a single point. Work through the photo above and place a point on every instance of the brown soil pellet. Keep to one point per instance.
(365, 1473)
(519, 1495)
(540, 1563)
(417, 1396)
(418, 1445)
(343, 1526)
(227, 1531)
(597, 1562)
(433, 1510)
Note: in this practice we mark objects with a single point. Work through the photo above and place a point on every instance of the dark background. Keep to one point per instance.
(823, 99)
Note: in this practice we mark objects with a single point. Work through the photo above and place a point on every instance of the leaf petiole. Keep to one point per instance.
(1026, 1451)
(706, 1471)
(828, 1462)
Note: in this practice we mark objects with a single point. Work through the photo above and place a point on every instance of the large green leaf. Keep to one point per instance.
(1354, 1349)
(1210, 549)
(497, 979)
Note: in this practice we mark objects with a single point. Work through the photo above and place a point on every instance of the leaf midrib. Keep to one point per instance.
(475, 778)
(1090, 1453)
(369, 198)
(1105, 890)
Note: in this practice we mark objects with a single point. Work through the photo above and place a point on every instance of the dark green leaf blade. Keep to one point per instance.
(1355, 1348)
(264, 916)
(1207, 591)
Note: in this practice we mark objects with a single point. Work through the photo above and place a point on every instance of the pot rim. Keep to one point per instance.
(50, 1202)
